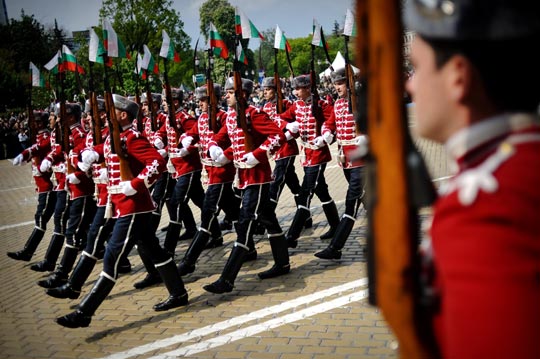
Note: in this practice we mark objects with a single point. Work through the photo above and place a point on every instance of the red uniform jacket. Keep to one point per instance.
(266, 136)
(77, 141)
(486, 241)
(146, 165)
(202, 137)
(58, 160)
(289, 148)
(100, 182)
(301, 111)
(36, 153)
(341, 124)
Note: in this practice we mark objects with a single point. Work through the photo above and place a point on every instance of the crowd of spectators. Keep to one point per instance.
(13, 134)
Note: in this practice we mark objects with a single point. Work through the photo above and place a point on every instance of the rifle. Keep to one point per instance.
(172, 110)
(114, 130)
(351, 89)
(279, 94)
(397, 182)
(241, 103)
(153, 115)
(316, 110)
(138, 100)
(96, 127)
(32, 126)
(212, 100)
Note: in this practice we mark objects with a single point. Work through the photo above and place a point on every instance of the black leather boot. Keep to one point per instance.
(51, 256)
(82, 317)
(216, 239)
(189, 224)
(60, 276)
(251, 255)
(152, 276)
(72, 289)
(309, 222)
(225, 283)
(187, 264)
(280, 253)
(332, 216)
(300, 217)
(333, 251)
(171, 238)
(30, 247)
(177, 293)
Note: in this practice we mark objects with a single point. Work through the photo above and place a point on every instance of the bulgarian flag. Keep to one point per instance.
(96, 49)
(139, 69)
(240, 55)
(148, 63)
(167, 49)
(37, 78)
(244, 26)
(280, 42)
(69, 61)
(217, 43)
(113, 45)
(349, 29)
(52, 65)
(318, 35)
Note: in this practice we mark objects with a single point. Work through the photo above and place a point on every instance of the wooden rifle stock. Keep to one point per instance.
(140, 126)
(152, 112)
(66, 148)
(116, 144)
(393, 186)
(212, 100)
(241, 106)
(96, 119)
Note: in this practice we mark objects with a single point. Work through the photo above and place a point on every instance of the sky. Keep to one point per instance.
(294, 17)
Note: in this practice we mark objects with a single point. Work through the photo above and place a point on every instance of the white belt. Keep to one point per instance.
(59, 168)
(310, 146)
(239, 164)
(100, 181)
(174, 155)
(346, 142)
(207, 162)
(114, 189)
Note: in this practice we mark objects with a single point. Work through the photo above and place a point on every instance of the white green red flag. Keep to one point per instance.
(37, 79)
(167, 49)
(349, 29)
(113, 45)
(318, 35)
(69, 61)
(139, 71)
(280, 41)
(148, 63)
(240, 54)
(217, 43)
(244, 26)
(52, 65)
(96, 50)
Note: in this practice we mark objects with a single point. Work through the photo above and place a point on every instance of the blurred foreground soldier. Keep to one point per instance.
(132, 207)
(341, 125)
(44, 186)
(476, 91)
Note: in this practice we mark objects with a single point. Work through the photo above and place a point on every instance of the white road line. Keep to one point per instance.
(15, 188)
(213, 328)
(8, 226)
(263, 327)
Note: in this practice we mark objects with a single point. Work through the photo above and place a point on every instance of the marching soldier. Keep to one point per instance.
(341, 125)
(82, 204)
(219, 194)
(132, 206)
(254, 176)
(475, 90)
(44, 186)
(316, 156)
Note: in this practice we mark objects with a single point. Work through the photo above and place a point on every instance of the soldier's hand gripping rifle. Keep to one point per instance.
(277, 81)
(212, 100)
(241, 103)
(397, 183)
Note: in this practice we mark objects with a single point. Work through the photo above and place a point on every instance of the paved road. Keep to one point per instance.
(317, 311)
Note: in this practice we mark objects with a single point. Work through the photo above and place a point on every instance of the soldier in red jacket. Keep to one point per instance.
(475, 90)
(316, 156)
(219, 194)
(131, 206)
(44, 186)
(254, 176)
(341, 125)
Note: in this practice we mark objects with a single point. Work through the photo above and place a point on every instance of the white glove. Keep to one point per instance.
(45, 165)
(293, 127)
(222, 160)
(215, 152)
(250, 159)
(103, 175)
(328, 137)
(83, 166)
(163, 153)
(186, 141)
(17, 161)
(127, 188)
(73, 179)
(158, 143)
(89, 157)
(319, 142)
(183, 152)
(288, 136)
(362, 142)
